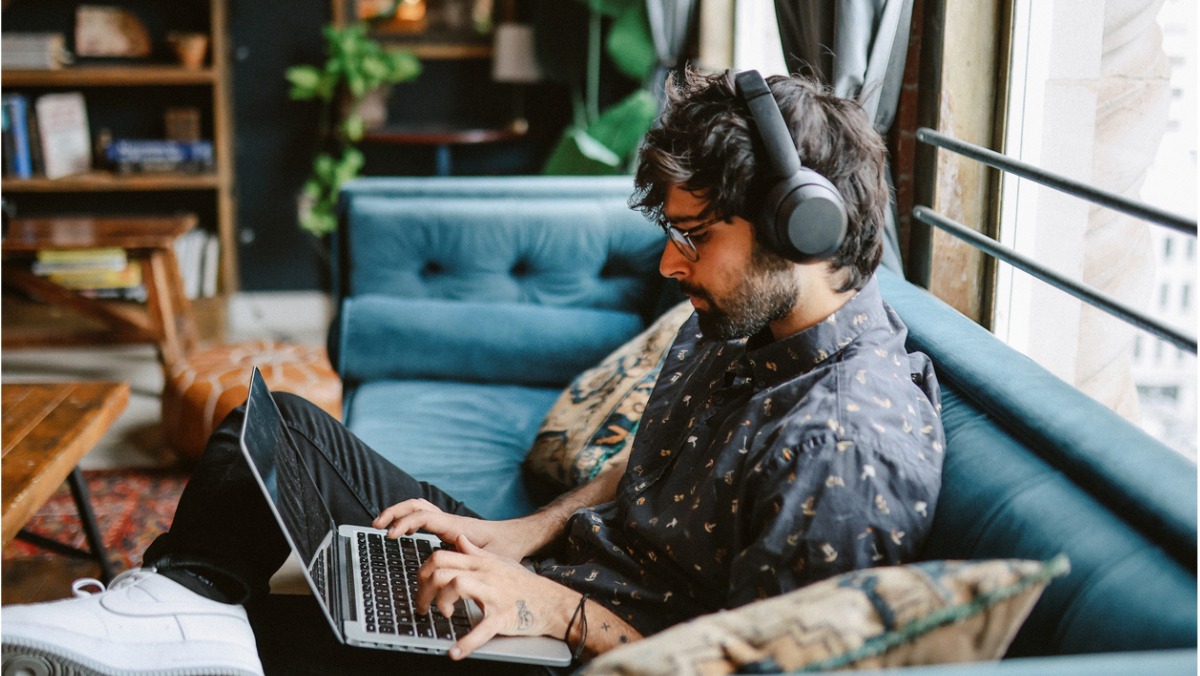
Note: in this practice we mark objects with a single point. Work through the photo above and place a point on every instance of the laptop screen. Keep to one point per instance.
(298, 505)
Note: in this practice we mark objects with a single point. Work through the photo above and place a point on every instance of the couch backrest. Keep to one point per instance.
(510, 245)
(1033, 468)
(566, 241)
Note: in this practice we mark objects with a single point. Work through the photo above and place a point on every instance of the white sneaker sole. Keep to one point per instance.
(29, 658)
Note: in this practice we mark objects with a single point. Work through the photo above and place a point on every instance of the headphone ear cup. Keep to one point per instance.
(804, 218)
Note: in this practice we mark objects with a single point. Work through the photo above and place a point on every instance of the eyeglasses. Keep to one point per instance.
(682, 239)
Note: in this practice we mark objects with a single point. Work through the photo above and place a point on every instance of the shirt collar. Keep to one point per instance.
(799, 353)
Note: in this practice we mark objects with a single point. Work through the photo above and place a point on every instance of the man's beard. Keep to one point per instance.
(766, 293)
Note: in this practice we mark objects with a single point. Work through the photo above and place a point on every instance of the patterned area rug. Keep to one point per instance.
(132, 506)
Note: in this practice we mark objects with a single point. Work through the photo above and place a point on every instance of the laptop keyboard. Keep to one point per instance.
(389, 583)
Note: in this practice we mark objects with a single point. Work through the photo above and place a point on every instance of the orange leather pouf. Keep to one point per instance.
(203, 387)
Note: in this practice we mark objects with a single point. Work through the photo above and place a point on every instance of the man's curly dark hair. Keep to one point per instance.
(705, 143)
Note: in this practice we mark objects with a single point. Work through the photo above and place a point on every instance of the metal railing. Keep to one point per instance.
(1083, 292)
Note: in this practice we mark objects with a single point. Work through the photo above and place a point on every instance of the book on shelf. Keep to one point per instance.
(198, 253)
(54, 261)
(16, 109)
(159, 155)
(66, 140)
(127, 277)
(34, 51)
(8, 150)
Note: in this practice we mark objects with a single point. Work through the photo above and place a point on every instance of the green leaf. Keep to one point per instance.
(403, 65)
(349, 166)
(323, 167)
(630, 45)
(577, 153)
(594, 149)
(356, 84)
(622, 125)
(305, 81)
(312, 188)
(353, 127)
(319, 221)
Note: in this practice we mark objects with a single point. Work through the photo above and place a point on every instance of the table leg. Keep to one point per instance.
(186, 321)
(160, 307)
(91, 529)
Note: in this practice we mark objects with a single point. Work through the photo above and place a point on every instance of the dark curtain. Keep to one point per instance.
(672, 28)
(858, 47)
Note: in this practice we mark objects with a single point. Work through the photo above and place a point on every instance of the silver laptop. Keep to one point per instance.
(362, 579)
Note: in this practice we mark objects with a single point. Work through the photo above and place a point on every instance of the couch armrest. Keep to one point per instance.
(1137, 476)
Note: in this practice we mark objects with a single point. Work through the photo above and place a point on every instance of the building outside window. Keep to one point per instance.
(1105, 93)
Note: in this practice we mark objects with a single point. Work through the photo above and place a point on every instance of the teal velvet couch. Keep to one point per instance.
(465, 305)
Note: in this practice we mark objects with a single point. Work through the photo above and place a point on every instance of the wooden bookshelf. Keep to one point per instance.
(113, 84)
(108, 181)
(111, 76)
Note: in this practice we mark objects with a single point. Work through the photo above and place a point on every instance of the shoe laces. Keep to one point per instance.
(87, 586)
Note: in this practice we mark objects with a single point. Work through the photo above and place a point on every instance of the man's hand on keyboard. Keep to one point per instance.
(515, 601)
(514, 539)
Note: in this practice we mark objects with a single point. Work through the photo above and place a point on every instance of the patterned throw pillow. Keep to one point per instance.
(934, 612)
(594, 420)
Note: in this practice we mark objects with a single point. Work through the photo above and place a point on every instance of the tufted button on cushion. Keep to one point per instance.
(202, 388)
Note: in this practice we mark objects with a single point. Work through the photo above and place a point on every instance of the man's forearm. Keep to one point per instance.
(549, 522)
(599, 630)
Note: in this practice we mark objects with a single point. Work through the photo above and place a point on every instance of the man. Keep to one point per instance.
(790, 437)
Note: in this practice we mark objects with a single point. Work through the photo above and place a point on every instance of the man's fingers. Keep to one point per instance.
(402, 509)
(492, 623)
(480, 634)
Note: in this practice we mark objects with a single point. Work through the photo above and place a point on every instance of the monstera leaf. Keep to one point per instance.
(630, 45)
(608, 145)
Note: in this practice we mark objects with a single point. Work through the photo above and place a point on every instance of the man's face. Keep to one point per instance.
(737, 286)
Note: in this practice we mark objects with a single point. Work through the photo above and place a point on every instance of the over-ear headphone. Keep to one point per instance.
(804, 217)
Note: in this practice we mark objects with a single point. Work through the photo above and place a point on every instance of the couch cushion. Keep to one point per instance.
(595, 419)
(927, 613)
(467, 439)
(489, 342)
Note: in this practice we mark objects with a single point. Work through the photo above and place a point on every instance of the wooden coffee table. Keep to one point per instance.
(47, 428)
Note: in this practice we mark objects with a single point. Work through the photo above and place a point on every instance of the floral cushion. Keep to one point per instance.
(594, 420)
(924, 613)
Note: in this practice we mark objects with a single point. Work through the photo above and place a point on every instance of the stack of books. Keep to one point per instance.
(108, 273)
(34, 51)
(96, 273)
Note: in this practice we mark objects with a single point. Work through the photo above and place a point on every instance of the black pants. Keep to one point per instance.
(224, 527)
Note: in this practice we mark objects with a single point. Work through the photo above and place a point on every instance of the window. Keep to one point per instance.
(1064, 114)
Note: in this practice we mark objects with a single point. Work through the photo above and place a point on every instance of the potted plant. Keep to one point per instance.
(356, 68)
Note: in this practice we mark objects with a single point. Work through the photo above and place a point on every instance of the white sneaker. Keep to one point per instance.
(144, 623)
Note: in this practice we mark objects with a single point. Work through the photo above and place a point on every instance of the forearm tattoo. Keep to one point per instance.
(620, 639)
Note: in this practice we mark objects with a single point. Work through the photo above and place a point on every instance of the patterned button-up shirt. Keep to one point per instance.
(762, 466)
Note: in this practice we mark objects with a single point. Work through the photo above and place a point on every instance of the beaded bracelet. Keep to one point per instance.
(582, 616)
